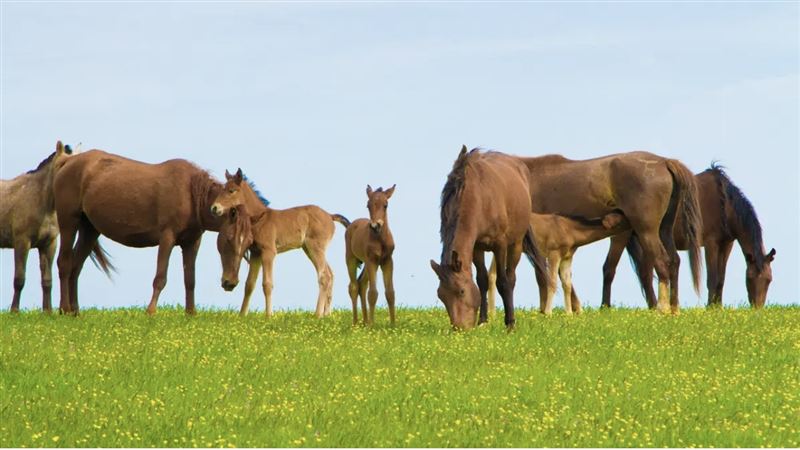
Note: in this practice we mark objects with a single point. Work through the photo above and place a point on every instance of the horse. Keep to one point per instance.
(485, 206)
(137, 205)
(28, 220)
(370, 241)
(649, 190)
(728, 216)
(250, 224)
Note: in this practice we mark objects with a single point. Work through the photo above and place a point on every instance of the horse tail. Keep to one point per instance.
(636, 256)
(689, 208)
(536, 259)
(100, 258)
(341, 219)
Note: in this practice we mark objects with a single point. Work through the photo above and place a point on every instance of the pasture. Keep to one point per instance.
(622, 377)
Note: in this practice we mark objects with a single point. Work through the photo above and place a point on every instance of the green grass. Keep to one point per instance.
(606, 378)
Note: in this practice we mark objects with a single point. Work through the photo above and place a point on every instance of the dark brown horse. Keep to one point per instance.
(728, 216)
(485, 207)
(651, 191)
(370, 241)
(136, 204)
(28, 220)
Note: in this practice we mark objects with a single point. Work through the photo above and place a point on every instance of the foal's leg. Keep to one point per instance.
(615, 250)
(372, 272)
(491, 290)
(162, 263)
(189, 253)
(267, 260)
(387, 268)
(21, 250)
(329, 292)
(363, 282)
(565, 273)
(482, 277)
(46, 255)
(254, 267)
(352, 286)
(316, 253)
(553, 265)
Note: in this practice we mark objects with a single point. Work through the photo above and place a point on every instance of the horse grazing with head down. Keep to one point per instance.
(485, 206)
(728, 216)
(136, 204)
(250, 224)
(369, 241)
(28, 220)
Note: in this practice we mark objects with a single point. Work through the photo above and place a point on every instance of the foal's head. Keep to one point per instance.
(758, 280)
(458, 292)
(377, 204)
(234, 238)
(231, 194)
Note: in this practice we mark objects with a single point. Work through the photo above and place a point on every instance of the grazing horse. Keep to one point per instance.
(28, 220)
(651, 191)
(136, 204)
(485, 206)
(369, 241)
(728, 216)
(250, 224)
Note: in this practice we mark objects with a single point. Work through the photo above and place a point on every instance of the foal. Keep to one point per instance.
(252, 225)
(370, 241)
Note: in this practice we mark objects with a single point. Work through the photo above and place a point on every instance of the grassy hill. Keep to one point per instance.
(606, 378)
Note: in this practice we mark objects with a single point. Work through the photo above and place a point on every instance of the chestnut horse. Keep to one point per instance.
(485, 206)
(370, 241)
(28, 220)
(136, 204)
(252, 225)
(728, 216)
(650, 190)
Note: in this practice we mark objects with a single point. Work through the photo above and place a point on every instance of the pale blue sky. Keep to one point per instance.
(314, 101)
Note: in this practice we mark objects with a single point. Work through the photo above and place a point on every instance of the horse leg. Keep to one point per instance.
(654, 255)
(254, 267)
(316, 253)
(492, 282)
(724, 253)
(363, 281)
(482, 277)
(615, 250)
(87, 237)
(387, 269)
(21, 250)
(553, 265)
(68, 228)
(565, 273)
(352, 286)
(501, 259)
(46, 255)
(372, 272)
(329, 292)
(712, 253)
(513, 253)
(189, 253)
(162, 263)
(267, 261)
(673, 259)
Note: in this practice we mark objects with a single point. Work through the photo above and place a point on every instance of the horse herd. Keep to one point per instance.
(545, 207)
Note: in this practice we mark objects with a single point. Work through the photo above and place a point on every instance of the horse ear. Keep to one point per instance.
(390, 191)
(437, 269)
(59, 148)
(238, 177)
(455, 262)
(771, 255)
(369, 190)
(228, 175)
(463, 151)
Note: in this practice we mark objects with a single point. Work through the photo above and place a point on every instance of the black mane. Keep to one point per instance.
(451, 194)
(743, 213)
(44, 163)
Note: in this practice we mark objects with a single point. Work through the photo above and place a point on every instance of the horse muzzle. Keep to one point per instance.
(376, 226)
(228, 285)
(217, 210)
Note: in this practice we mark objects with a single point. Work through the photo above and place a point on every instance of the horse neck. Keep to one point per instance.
(207, 195)
(745, 239)
(253, 203)
(43, 180)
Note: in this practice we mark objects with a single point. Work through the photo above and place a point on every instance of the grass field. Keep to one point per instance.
(606, 378)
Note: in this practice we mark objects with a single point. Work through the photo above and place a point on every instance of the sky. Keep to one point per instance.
(316, 100)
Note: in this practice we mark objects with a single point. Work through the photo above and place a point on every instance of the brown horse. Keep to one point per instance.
(728, 216)
(28, 220)
(485, 207)
(648, 189)
(252, 225)
(370, 241)
(136, 204)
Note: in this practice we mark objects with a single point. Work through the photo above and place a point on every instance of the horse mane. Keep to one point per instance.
(450, 201)
(743, 212)
(201, 184)
(255, 190)
(44, 163)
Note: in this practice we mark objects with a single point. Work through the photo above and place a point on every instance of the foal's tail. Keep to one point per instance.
(536, 259)
(341, 219)
(689, 208)
(100, 258)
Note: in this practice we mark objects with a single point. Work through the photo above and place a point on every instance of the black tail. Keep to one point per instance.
(341, 219)
(636, 255)
(100, 258)
(536, 259)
